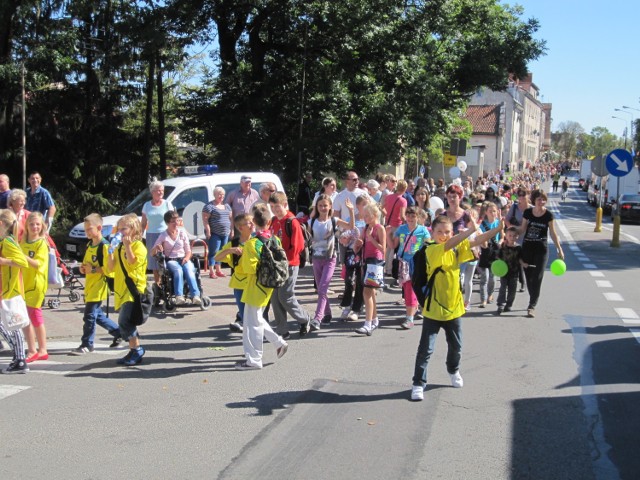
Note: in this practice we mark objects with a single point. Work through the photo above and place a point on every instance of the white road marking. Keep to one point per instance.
(589, 265)
(604, 284)
(627, 313)
(575, 248)
(54, 368)
(8, 390)
(596, 274)
(636, 333)
(613, 297)
(61, 347)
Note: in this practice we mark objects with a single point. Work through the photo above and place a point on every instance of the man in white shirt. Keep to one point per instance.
(351, 192)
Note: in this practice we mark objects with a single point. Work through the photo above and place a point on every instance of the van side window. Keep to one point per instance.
(184, 198)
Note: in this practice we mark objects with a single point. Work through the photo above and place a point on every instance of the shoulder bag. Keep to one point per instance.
(13, 313)
(142, 302)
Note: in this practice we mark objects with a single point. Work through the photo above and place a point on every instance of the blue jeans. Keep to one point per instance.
(430, 329)
(215, 243)
(487, 283)
(93, 315)
(179, 272)
(237, 294)
(127, 329)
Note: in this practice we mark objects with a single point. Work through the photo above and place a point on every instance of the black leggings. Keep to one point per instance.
(534, 275)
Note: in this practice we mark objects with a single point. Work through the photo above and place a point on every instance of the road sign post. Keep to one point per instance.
(599, 169)
(619, 163)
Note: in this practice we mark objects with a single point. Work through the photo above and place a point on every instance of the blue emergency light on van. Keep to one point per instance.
(197, 170)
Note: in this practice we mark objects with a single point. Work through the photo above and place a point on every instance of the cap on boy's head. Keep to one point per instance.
(245, 178)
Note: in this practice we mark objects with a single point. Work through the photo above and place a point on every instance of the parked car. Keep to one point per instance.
(630, 207)
(188, 193)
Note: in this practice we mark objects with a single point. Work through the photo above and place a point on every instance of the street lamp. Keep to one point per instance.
(625, 129)
(633, 124)
(630, 133)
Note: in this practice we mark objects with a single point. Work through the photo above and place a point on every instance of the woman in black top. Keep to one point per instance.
(537, 224)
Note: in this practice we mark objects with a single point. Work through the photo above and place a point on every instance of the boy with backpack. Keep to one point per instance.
(230, 254)
(256, 295)
(444, 304)
(284, 299)
(96, 288)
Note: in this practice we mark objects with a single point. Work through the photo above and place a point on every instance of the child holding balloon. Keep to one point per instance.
(510, 253)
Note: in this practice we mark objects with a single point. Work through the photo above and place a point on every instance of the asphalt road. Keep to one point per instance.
(552, 397)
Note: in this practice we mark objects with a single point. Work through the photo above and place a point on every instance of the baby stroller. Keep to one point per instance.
(69, 280)
(164, 292)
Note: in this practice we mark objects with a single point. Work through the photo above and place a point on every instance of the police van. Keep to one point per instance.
(188, 192)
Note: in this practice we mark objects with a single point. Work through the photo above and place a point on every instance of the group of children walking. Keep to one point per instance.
(24, 267)
(24, 273)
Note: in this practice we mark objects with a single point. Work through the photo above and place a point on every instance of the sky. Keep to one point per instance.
(591, 66)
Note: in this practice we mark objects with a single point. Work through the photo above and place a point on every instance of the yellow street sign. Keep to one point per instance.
(449, 160)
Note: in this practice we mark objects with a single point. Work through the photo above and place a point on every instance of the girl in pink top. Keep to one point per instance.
(395, 206)
(373, 245)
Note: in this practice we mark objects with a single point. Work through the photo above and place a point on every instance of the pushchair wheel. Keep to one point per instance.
(206, 303)
(157, 294)
(170, 305)
(54, 303)
(74, 297)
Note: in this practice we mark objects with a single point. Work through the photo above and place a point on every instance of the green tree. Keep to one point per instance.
(368, 79)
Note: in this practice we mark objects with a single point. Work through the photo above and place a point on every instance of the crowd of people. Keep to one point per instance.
(369, 231)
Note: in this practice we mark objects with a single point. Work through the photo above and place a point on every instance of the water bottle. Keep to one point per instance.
(115, 241)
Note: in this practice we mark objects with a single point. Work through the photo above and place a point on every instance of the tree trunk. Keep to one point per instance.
(146, 154)
(161, 131)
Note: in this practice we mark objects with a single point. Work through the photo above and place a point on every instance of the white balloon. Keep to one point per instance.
(454, 172)
(435, 203)
(462, 165)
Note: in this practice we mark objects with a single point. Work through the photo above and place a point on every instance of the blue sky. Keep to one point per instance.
(591, 67)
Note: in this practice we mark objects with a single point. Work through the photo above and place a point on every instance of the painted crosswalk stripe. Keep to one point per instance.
(51, 367)
(628, 316)
(636, 333)
(8, 390)
(613, 297)
(596, 274)
(604, 284)
(574, 248)
(589, 265)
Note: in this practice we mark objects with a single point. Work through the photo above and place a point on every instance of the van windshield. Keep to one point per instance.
(143, 197)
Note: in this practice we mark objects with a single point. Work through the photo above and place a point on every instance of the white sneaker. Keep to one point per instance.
(180, 300)
(353, 316)
(417, 393)
(345, 313)
(197, 301)
(456, 380)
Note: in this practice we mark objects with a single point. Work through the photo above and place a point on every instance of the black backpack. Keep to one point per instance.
(235, 259)
(100, 259)
(273, 266)
(305, 253)
(419, 278)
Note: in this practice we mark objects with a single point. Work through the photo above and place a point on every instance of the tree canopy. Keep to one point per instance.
(329, 84)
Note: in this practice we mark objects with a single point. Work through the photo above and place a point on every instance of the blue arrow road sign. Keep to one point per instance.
(619, 162)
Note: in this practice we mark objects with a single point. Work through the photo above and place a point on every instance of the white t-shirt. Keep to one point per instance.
(323, 242)
(341, 198)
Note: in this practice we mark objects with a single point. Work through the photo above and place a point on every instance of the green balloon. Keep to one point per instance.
(499, 268)
(558, 267)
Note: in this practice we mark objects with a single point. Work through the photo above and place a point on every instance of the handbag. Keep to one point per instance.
(404, 272)
(374, 275)
(351, 258)
(13, 313)
(142, 302)
(401, 265)
(54, 276)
